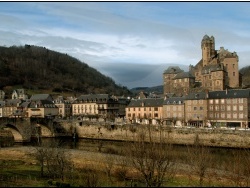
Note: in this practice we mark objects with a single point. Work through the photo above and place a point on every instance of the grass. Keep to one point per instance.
(18, 173)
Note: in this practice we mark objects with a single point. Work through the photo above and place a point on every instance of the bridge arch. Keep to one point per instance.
(45, 130)
(18, 137)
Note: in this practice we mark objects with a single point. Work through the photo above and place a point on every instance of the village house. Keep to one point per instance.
(173, 111)
(146, 111)
(229, 108)
(101, 105)
(64, 106)
(19, 94)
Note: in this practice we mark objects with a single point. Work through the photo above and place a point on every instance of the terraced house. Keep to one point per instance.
(230, 108)
(173, 111)
(102, 105)
(146, 111)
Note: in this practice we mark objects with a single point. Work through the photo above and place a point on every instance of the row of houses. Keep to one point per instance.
(220, 108)
(44, 105)
(213, 108)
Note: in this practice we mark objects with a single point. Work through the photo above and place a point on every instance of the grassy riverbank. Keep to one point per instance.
(20, 169)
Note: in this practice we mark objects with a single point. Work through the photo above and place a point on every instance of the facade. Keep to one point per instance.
(173, 111)
(10, 107)
(147, 111)
(42, 109)
(64, 107)
(19, 94)
(217, 70)
(102, 105)
(229, 108)
(196, 109)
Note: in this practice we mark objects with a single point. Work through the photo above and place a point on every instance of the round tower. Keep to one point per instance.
(208, 49)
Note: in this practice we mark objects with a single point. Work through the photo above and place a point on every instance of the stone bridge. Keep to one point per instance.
(23, 129)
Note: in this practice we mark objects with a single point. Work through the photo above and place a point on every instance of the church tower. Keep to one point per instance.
(208, 49)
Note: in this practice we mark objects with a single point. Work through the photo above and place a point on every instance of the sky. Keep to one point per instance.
(130, 42)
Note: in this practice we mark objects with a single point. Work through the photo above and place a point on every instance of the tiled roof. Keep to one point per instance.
(12, 102)
(183, 75)
(149, 102)
(173, 100)
(43, 104)
(173, 70)
(94, 97)
(196, 96)
(232, 93)
(40, 97)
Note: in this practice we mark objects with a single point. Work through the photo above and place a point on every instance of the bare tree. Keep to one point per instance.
(152, 159)
(200, 159)
(239, 168)
(52, 159)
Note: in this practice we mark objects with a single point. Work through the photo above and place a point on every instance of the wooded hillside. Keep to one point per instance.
(245, 71)
(38, 68)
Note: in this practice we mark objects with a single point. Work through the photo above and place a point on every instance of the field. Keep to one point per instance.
(20, 169)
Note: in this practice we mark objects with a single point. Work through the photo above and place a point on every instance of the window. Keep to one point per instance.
(233, 73)
(240, 100)
(201, 108)
(241, 107)
(241, 115)
(156, 115)
(217, 108)
(234, 108)
(228, 101)
(222, 115)
(211, 101)
(211, 115)
(174, 108)
(195, 108)
(216, 101)
(222, 107)
(222, 101)
(228, 115)
(233, 65)
(228, 108)
(235, 115)
(156, 109)
(234, 101)
(211, 107)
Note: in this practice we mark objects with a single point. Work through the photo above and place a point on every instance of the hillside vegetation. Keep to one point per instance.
(38, 68)
(245, 71)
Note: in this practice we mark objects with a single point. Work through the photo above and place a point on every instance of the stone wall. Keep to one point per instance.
(210, 137)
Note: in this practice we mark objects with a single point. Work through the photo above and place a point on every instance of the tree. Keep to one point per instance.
(200, 159)
(53, 160)
(153, 160)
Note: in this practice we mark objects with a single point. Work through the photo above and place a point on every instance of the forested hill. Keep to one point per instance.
(38, 68)
(245, 71)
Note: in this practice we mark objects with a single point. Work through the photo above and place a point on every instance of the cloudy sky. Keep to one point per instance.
(131, 42)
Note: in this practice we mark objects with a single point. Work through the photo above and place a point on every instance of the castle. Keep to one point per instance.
(217, 70)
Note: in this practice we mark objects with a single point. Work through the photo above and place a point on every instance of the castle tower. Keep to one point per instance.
(208, 49)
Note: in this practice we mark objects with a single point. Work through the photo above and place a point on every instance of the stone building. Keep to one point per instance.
(146, 111)
(217, 70)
